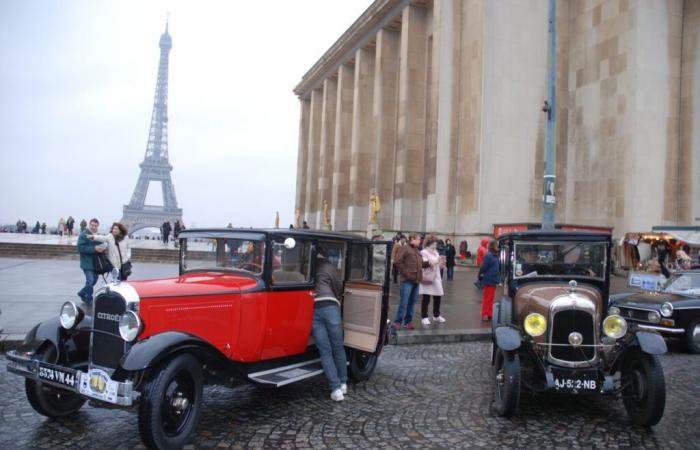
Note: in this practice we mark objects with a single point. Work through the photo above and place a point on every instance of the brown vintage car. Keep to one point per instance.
(552, 331)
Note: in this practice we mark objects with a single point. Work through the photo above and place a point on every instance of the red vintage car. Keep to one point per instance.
(240, 310)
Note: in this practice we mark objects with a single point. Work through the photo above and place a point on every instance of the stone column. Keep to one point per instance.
(471, 74)
(362, 147)
(386, 71)
(300, 201)
(440, 204)
(410, 146)
(327, 152)
(690, 114)
(312, 170)
(340, 199)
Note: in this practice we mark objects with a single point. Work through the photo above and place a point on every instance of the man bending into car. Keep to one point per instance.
(328, 325)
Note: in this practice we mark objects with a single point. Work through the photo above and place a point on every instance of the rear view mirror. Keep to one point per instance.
(290, 243)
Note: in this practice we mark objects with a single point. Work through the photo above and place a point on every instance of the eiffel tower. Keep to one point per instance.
(155, 165)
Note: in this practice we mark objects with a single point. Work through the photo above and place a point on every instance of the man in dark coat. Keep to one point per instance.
(410, 265)
(87, 249)
(165, 231)
(450, 253)
(489, 275)
(327, 326)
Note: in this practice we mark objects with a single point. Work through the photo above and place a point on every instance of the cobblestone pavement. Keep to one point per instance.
(424, 396)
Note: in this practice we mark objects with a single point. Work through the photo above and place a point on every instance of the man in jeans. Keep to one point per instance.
(410, 265)
(327, 326)
(87, 250)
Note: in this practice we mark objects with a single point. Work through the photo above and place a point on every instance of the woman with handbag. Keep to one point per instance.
(431, 283)
(118, 250)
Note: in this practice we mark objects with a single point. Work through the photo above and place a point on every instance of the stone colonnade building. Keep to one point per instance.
(437, 106)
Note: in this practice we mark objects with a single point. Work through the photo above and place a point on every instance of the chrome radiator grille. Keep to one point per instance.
(564, 323)
(107, 345)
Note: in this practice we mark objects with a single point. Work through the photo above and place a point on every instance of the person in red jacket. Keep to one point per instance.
(480, 253)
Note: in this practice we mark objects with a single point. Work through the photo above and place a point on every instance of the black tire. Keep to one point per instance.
(362, 364)
(171, 403)
(506, 377)
(692, 337)
(47, 400)
(643, 388)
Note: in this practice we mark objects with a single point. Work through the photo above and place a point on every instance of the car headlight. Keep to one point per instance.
(613, 311)
(614, 326)
(70, 315)
(667, 309)
(535, 324)
(129, 326)
(654, 317)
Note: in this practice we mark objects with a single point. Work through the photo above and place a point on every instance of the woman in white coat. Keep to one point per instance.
(118, 249)
(431, 285)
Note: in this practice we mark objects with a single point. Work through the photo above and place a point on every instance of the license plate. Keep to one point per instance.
(576, 381)
(65, 377)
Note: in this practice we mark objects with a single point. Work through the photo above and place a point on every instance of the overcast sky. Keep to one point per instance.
(77, 80)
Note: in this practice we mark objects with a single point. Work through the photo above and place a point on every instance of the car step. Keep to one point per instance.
(287, 374)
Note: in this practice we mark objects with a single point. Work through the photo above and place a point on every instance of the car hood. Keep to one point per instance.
(649, 299)
(201, 283)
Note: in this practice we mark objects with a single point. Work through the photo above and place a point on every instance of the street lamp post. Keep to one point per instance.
(550, 109)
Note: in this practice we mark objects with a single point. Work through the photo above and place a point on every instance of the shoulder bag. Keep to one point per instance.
(101, 263)
(125, 269)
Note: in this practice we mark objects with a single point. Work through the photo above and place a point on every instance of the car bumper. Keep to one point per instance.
(95, 384)
(661, 329)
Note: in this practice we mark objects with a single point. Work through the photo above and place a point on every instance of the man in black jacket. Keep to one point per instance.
(328, 324)
(450, 253)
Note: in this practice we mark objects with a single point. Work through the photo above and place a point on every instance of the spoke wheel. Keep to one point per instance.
(506, 374)
(692, 337)
(362, 364)
(48, 400)
(171, 403)
(644, 388)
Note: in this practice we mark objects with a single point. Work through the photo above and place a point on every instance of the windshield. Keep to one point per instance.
(203, 254)
(555, 259)
(683, 283)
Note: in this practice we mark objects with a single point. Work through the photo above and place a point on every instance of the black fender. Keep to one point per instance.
(651, 342)
(71, 345)
(507, 338)
(151, 351)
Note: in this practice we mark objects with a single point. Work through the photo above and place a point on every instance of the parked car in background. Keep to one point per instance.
(552, 331)
(672, 309)
(240, 310)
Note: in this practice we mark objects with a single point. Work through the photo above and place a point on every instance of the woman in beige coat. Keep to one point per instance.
(431, 285)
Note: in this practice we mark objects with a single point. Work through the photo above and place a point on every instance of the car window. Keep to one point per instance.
(335, 253)
(359, 262)
(224, 254)
(291, 265)
(682, 282)
(555, 259)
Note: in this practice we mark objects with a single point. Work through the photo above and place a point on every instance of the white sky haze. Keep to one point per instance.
(77, 80)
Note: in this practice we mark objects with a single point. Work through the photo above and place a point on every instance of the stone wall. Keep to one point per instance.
(439, 108)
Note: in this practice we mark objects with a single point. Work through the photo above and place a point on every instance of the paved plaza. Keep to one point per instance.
(420, 397)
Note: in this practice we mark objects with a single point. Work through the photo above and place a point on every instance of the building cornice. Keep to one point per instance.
(362, 32)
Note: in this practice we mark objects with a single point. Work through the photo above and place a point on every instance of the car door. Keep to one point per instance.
(365, 298)
(290, 302)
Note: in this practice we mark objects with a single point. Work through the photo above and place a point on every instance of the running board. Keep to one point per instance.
(288, 374)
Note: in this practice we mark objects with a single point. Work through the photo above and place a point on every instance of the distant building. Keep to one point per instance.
(437, 105)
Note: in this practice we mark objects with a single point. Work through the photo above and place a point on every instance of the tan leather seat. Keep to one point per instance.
(281, 277)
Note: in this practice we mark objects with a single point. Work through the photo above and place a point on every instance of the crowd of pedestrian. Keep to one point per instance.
(421, 262)
(64, 227)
